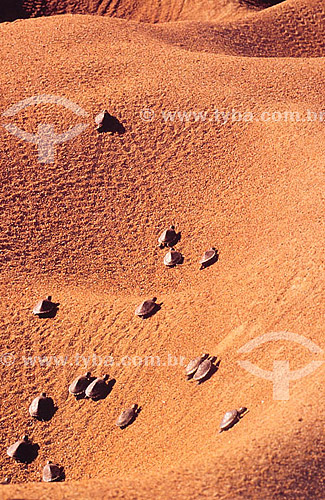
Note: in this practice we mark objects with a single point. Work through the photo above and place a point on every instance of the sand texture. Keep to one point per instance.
(84, 229)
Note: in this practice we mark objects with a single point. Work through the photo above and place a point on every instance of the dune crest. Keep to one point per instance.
(152, 11)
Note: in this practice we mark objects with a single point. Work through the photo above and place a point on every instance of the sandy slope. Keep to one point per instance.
(85, 230)
(141, 10)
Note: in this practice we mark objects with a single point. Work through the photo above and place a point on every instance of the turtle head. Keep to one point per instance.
(25, 438)
(105, 377)
(48, 462)
(154, 299)
(49, 297)
(43, 394)
(134, 407)
(205, 355)
(87, 375)
(172, 227)
(242, 410)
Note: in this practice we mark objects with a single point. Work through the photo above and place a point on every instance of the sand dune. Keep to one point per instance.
(142, 10)
(297, 31)
(85, 229)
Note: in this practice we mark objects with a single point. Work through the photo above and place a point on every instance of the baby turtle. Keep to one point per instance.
(101, 120)
(231, 417)
(52, 472)
(42, 407)
(97, 389)
(209, 257)
(203, 370)
(127, 416)
(172, 258)
(105, 122)
(146, 308)
(194, 364)
(44, 307)
(168, 238)
(80, 384)
(22, 451)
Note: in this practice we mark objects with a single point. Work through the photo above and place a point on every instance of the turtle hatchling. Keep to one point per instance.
(52, 472)
(127, 416)
(42, 407)
(78, 387)
(23, 450)
(194, 364)
(208, 258)
(105, 122)
(172, 258)
(101, 120)
(146, 308)
(45, 307)
(203, 370)
(97, 389)
(231, 417)
(168, 238)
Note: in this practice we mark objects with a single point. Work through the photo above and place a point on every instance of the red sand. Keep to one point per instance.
(85, 230)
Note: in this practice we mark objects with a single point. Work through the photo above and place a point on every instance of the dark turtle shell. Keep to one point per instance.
(203, 370)
(80, 384)
(42, 407)
(126, 416)
(172, 258)
(208, 257)
(146, 307)
(229, 419)
(168, 237)
(44, 306)
(21, 450)
(105, 122)
(98, 388)
(100, 120)
(52, 472)
(194, 364)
